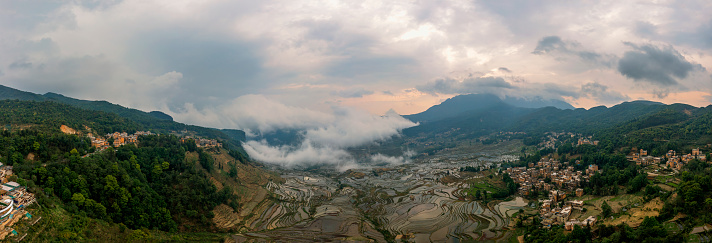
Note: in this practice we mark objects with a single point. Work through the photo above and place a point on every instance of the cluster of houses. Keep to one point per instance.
(553, 213)
(119, 139)
(125, 138)
(560, 175)
(552, 139)
(582, 141)
(202, 142)
(14, 198)
(675, 161)
(672, 159)
(643, 159)
(562, 180)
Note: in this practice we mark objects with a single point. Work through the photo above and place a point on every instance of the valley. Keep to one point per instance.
(422, 201)
(495, 173)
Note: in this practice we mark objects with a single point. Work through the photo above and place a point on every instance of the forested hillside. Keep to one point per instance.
(650, 124)
(162, 184)
(49, 116)
(155, 121)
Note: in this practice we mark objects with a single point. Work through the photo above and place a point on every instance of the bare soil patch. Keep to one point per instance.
(67, 130)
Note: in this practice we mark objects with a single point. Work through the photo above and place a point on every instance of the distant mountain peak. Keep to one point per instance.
(457, 105)
(537, 102)
(479, 102)
(391, 113)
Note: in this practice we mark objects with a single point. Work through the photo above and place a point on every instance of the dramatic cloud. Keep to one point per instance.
(306, 154)
(500, 87)
(465, 86)
(325, 134)
(660, 66)
(601, 93)
(195, 56)
(558, 48)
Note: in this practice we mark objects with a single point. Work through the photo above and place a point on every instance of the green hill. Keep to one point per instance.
(161, 188)
(155, 121)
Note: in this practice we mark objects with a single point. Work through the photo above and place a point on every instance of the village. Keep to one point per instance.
(561, 180)
(14, 199)
(117, 139)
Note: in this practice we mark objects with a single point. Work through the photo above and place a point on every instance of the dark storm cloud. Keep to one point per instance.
(556, 47)
(210, 67)
(352, 93)
(660, 66)
(69, 76)
(466, 86)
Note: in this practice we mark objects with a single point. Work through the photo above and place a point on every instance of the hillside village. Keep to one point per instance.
(124, 138)
(560, 180)
(14, 198)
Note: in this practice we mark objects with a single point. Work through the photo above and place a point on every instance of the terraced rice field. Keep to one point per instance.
(311, 209)
(432, 212)
(381, 203)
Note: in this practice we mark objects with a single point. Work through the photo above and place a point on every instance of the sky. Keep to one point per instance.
(211, 62)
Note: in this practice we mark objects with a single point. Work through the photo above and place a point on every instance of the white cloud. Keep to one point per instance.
(325, 134)
(393, 160)
(306, 154)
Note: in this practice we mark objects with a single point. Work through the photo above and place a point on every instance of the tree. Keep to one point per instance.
(607, 210)
(78, 198)
(638, 183)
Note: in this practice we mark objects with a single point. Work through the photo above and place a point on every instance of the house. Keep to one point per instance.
(576, 204)
(579, 192)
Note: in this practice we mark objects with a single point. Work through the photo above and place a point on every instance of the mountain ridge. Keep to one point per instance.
(154, 120)
(468, 103)
(481, 114)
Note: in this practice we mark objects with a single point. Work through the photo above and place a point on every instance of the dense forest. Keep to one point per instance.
(49, 116)
(151, 185)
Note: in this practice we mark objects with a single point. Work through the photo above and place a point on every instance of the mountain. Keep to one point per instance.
(49, 116)
(472, 123)
(582, 120)
(470, 116)
(456, 106)
(155, 121)
(161, 115)
(537, 102)
(474, 103)
(7, 93)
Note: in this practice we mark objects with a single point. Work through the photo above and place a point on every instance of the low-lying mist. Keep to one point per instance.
(323, 136)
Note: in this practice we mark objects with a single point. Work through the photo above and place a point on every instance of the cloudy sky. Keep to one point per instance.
(204, 61)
